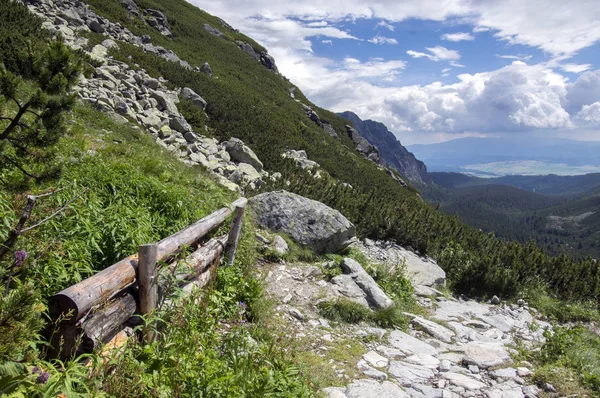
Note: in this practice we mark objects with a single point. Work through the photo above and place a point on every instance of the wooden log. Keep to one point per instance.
(147, 259)
(234, 234)
(196, 263)
(81, 297)
(196, 231)
(106, 322)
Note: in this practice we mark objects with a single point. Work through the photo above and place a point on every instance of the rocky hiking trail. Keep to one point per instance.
(457, 348)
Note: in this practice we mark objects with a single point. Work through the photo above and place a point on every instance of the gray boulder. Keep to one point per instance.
(180, 124)
(131, 7)
(214, 31)
(240, 153)
(362, 145)
(191, 95)
(300, 158)
(308, 222)
(374, 294)
(268, 62)
(165, 101)
(158, 21)
(205, 68)
(248, 49)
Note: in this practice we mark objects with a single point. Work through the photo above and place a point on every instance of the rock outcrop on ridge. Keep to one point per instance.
(391, 151)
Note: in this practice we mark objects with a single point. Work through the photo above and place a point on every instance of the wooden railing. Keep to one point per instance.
(91, 312)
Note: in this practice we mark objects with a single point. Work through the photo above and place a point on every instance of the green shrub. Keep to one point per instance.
(344, 310)
(391, 317)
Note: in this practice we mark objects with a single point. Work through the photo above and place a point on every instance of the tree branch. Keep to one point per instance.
(34, 113)
(18, 230)
(15, 121)
(55, 213)
(19, 167)
(14, 234)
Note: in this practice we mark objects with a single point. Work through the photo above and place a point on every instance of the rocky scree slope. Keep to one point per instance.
(128, 94)
(459, 349)
(455, 348)
(391, 151)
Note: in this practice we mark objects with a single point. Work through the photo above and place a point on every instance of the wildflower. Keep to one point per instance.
(20, 257)
(43, 376)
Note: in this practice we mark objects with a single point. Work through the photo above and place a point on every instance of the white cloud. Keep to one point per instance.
(517, 97)
(384, 24)
(383, 40)
(437, 53)
(317, 24)
(461, 36)
(445, 70)
(575, 68)
(520, 57)
(327, 42)
(479, 29)
(584, 91)
(557, 27)
(589, 115)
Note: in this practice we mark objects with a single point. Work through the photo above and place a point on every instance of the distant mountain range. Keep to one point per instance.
(525, 155)
(561, 213)
(391, 151)
(546, 184)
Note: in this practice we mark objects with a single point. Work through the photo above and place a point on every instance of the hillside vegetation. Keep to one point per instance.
(559, 223)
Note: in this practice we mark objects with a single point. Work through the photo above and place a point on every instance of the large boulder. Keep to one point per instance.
(190, 95)
(308, 222)
(240, 153)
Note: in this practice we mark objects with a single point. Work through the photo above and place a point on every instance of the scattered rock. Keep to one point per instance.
(280, 246)
(374, 294)
(205, 68)
(239, 152)
(296, 314)
(495, 300)
(191, 95)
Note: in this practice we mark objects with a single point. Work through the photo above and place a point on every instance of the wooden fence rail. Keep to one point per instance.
(92, 311)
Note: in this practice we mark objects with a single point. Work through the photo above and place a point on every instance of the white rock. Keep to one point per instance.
(505, 373)
(506, 390)
(524, 372)
(434, 329)
(486, 355)
(463, 381)
(424, 360)
(375, 359)
(374, 389)
(407, 373)
(409, 344)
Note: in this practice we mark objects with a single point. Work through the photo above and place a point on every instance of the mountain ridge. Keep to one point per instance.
(390, 148)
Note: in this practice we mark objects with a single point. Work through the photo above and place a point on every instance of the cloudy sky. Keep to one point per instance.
(434, 70)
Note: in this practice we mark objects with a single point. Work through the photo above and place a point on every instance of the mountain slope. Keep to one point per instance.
(390, 149)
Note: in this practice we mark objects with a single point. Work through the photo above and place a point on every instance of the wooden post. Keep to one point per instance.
(147, 260)
(234, 233)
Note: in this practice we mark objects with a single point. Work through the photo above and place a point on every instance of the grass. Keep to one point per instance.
(344, 310)
(559, 310)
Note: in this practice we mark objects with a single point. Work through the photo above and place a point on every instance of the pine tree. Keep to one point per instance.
(33, 100)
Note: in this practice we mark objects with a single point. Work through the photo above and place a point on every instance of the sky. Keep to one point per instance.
(436, 70)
